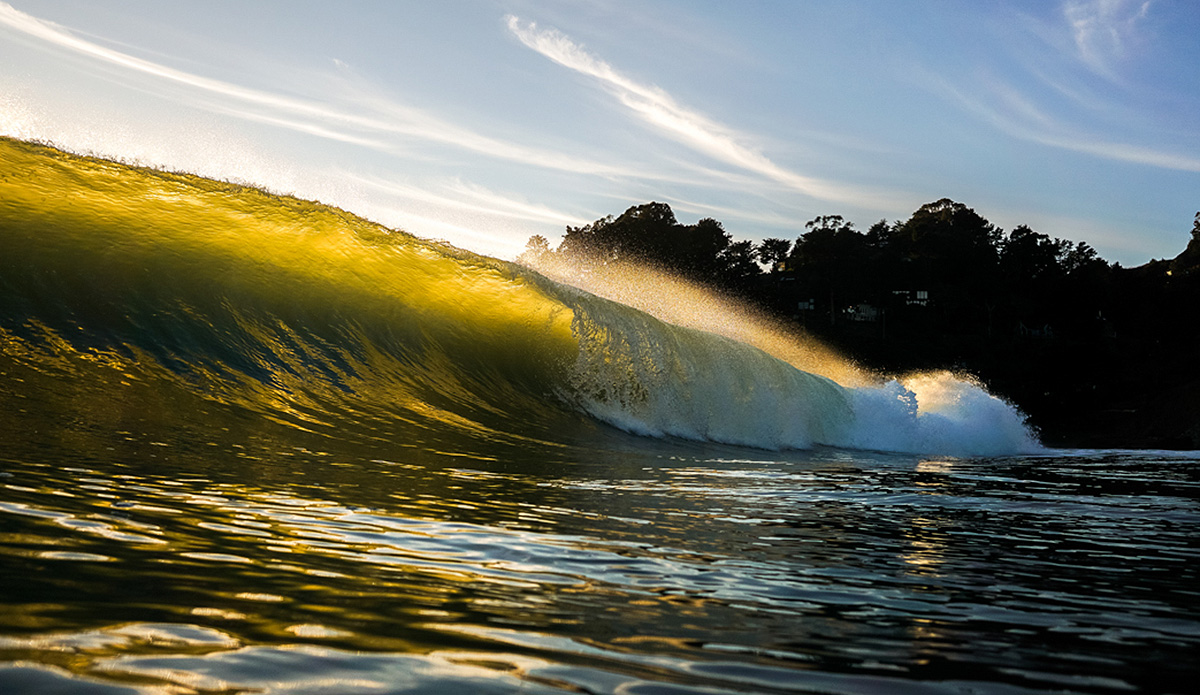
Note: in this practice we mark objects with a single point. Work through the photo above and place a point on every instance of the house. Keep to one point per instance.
(912, 297)
(862, 312)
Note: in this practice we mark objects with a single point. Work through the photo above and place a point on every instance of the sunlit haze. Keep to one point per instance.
(486, 122)
(682, 303)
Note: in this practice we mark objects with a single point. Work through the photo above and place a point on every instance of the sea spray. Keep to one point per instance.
(680, 302)
(308, 316)
(651, 377)
(936, 413)
(932, 412)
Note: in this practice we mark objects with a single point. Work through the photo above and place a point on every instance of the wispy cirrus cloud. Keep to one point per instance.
(468, 197)
(369, 122)
(1016, 114)
(1103, 30)
(659, 109)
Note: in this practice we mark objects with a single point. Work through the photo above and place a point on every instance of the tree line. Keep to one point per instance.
(1045, 321)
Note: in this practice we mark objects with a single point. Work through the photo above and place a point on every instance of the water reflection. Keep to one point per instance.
(927, 547)
(674, 562)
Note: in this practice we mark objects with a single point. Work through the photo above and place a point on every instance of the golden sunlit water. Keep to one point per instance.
(253, 444)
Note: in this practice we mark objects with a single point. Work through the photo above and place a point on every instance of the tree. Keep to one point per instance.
(949, 243)
(830, 242)
(1189, 261)
(880, 234)
(698, 249)
(591, 242)
(535, 250)
(1028, 255)
(953, 236)
(650, 234)
(737, 264)
(832, 263)
(643, 233)
(1081, 257)
(774, 253)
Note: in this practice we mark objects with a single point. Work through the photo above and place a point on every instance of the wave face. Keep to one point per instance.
(205, 302)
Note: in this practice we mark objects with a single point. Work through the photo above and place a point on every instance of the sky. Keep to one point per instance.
(484, 122)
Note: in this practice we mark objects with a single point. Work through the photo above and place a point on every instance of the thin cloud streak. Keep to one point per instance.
(315, 119)
(1022, 119)
(383, 126)
(499, 204)
(658, 108)
(483, 238)
(783, 224)
(471, 198)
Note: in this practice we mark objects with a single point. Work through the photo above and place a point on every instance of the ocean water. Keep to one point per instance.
(252, 444)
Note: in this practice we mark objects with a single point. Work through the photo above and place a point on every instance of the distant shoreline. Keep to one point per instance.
(1095, 354)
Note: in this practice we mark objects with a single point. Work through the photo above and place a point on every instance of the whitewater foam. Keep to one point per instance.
(650, 377)
(936, 413)
(712, 369)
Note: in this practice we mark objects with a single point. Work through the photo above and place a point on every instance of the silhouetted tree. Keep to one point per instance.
(700, 250)
(651, 235)
(952, 241)
(1081, 257)
(831, 262)
(831, 241)
(774, 253)
(593, 242)
(1189, 261)
(737, 264)
(643, 233)
(952, 251)
(880, 234)
(1027, 255)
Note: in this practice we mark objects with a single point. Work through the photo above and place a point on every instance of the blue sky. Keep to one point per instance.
(483, 122)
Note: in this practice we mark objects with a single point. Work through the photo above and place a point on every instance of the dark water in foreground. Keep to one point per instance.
(661, 568)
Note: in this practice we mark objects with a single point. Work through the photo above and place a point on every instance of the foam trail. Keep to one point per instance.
(937, 413)
(929, 413)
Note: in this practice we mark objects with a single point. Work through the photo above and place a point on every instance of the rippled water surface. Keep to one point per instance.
(641, 567)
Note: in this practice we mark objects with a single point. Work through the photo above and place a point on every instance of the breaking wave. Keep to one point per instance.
(119, 281)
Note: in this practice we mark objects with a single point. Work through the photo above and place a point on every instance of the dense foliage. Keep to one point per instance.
(1079, 343)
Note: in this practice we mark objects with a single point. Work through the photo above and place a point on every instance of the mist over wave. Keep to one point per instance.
(322, 321)
(933, 413)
